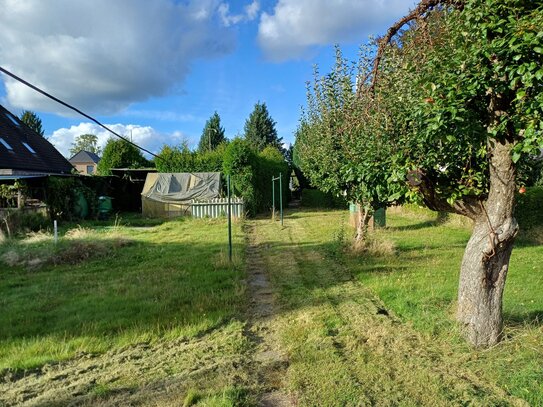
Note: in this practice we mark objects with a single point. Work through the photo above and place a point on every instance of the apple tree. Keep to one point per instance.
(464, 84)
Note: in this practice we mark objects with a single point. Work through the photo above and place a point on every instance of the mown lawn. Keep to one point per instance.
(377, 327)
(155, 315)
(106, 287)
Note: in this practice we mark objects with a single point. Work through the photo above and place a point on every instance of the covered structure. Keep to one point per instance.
(169, 195)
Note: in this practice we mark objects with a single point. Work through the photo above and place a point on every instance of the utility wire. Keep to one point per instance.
(5, 71)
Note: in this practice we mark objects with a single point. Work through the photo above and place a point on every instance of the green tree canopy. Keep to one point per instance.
(32, 120)
(212, 134)
(260, 129)
(119, 153)
(342, 147)
(85, 142)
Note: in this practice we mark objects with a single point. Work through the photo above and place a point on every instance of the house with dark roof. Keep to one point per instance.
(24, 153)
(85, 162)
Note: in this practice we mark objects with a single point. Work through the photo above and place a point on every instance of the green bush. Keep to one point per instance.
(528, 208)
(63, 194)
(315, 198)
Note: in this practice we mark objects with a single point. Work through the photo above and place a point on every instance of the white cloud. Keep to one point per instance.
(102, 55)
(228, 19)
(295, 26)
(144, 136)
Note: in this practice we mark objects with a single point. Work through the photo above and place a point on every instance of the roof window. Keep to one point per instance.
(28, 147)
(5, 144)
(13, 119)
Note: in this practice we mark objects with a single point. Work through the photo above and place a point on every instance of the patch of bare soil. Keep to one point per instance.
(269, 362)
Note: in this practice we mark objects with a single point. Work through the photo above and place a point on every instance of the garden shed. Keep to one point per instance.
(169, 195)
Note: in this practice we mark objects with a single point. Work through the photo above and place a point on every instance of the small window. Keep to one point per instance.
(29, 148)
(5, 144)
(90, 169)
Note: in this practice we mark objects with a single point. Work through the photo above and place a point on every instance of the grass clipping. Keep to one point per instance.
(77, 245)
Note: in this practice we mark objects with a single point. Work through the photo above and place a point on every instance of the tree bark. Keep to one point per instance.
(486, 259)
(362, 223)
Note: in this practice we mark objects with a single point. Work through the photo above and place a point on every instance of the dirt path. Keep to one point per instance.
(269, 362)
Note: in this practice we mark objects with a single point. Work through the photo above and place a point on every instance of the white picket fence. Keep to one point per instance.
(217, 207)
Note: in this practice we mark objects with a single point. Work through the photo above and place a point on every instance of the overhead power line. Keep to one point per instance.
(5, 71)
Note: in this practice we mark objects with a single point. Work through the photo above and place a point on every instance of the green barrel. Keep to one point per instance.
(105, 207)
(380, 218)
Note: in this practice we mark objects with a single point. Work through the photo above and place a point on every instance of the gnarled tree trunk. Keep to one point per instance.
(486, 259)
(362, 222)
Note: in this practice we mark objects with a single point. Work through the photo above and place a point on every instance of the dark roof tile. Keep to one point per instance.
(45, 158)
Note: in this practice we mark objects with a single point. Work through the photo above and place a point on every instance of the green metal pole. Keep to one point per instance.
(229, 221)
(273, 197)
(281, 196)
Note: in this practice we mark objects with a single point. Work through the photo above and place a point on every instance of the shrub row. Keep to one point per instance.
(251, 171)
(315, 198)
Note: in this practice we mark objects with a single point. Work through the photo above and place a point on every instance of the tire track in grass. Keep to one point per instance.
(345, 347)
(269, 363)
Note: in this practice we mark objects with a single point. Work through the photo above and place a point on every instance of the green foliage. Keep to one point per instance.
(8, 194)
(449, 81)
(528, 209)
(342, 145)
(175, 159)
(85, 142)
(259, 130)
(32, 120)
(251, 174)
(63, 195)
(314, 198)
(119, 153)
(212, 135)
(240, 163)
(181, 159)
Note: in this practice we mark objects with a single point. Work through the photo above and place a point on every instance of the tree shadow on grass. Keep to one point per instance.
(534, 318)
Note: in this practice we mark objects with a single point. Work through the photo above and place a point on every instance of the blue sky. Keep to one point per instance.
(157, 70)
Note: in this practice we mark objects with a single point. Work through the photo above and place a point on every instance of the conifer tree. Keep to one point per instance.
(260, 129)
(32, 120)
(212, 135)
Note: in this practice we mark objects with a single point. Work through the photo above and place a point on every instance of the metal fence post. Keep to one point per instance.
(229, 222)
(281, 196)
(273, 198)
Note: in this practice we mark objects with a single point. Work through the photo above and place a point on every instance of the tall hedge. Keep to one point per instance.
(181, 159)
(240, 162)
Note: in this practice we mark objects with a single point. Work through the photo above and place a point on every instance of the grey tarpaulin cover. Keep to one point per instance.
(181, 187)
